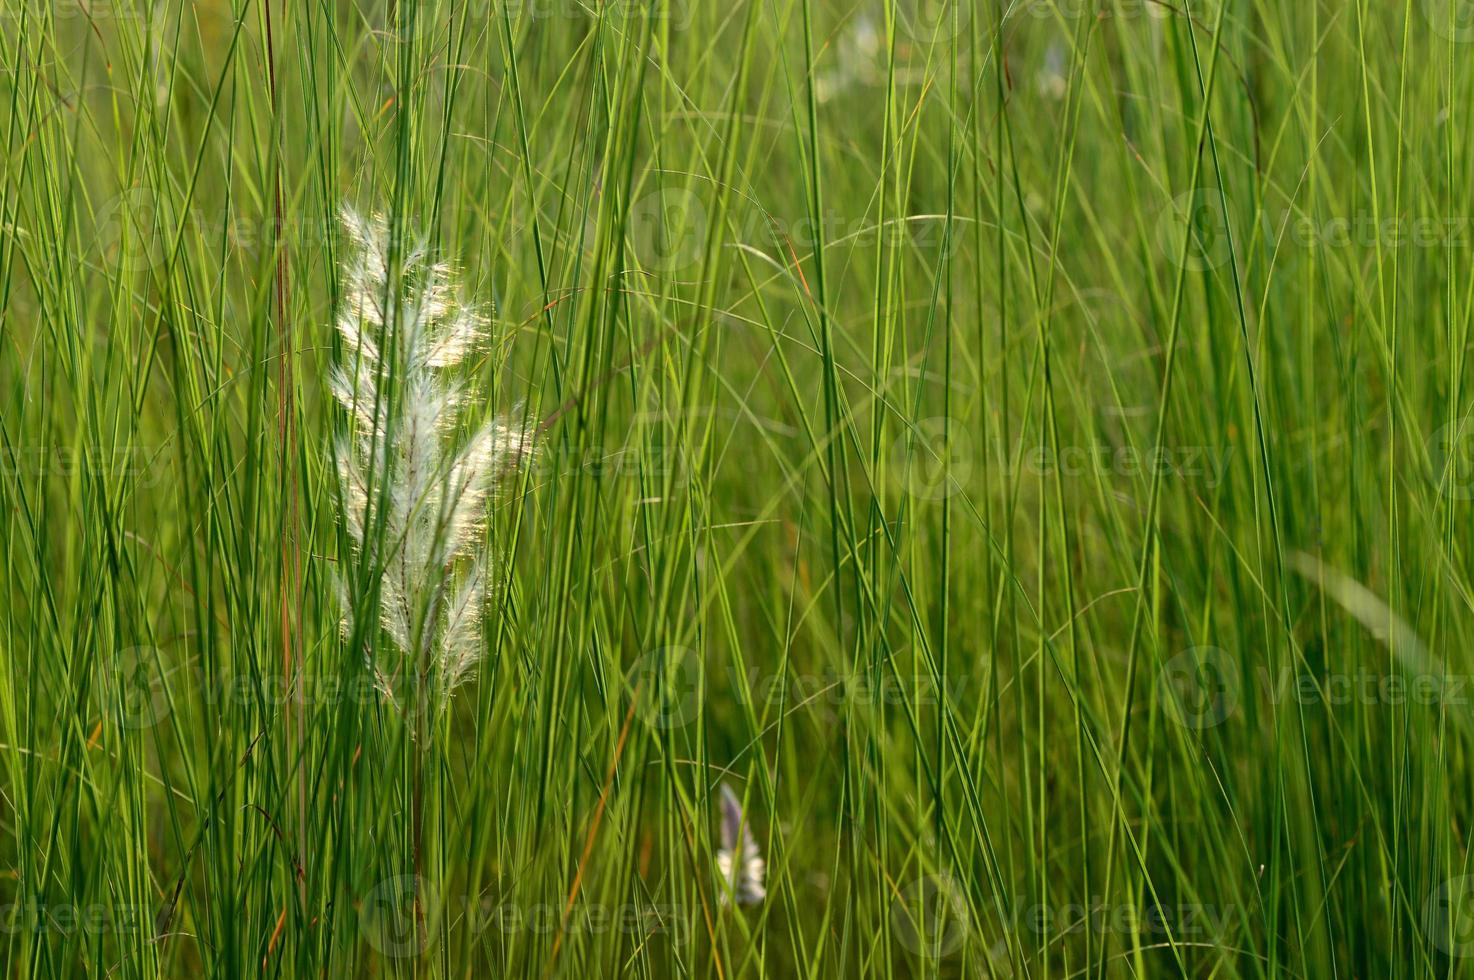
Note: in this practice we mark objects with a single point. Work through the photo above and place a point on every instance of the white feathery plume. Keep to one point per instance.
(415, 496)
(739, 861)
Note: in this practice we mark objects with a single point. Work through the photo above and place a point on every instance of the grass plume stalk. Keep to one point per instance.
(415, 488)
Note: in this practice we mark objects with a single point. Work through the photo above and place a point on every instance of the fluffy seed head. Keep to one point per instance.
(417, 472)
(739, 861)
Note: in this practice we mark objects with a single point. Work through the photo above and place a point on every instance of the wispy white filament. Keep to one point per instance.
(415, 489)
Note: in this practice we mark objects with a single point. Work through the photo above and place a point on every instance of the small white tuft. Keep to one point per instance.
(739, 862)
